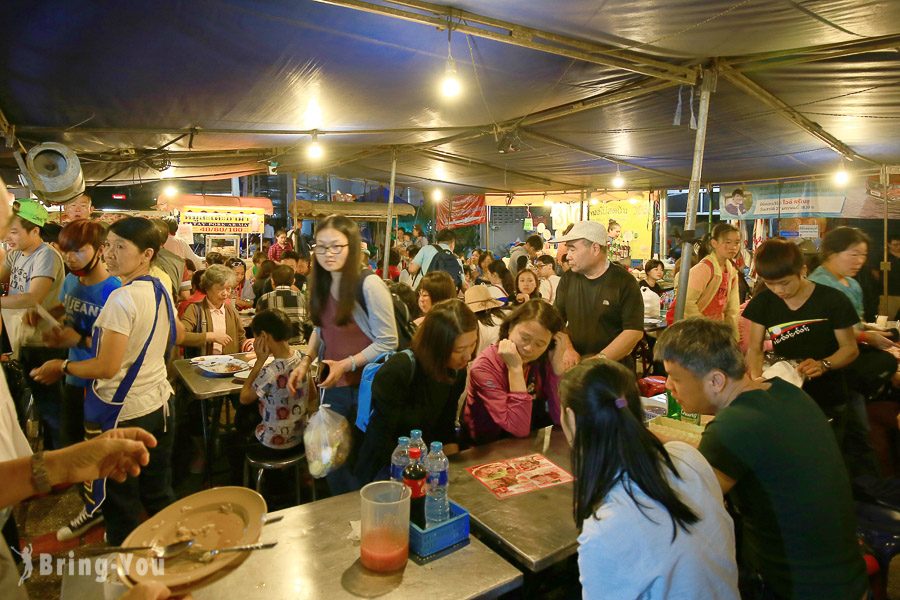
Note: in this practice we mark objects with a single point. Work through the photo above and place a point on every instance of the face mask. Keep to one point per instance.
(86, 270)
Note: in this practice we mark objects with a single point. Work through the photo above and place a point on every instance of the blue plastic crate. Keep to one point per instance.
(425, 542)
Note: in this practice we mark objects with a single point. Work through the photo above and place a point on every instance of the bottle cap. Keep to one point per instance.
(415, 433)
(403, 440)
(415, 452)
(437, 446)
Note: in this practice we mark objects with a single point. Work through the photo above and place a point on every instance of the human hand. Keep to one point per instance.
(510, 354)
(31, 317)
(811, 368)
(116, 453)
(570, 356)
(297, 376)
(877, 340)
(261, 349)
(336, 370)
(521, 298)
(49, 372)
(218, 337)
(61, 337)
(558, 353)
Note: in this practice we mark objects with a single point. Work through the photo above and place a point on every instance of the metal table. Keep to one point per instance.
(535, 528)
(314, 559)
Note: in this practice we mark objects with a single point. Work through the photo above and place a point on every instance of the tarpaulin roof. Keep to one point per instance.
(183, 200)
(217, 88)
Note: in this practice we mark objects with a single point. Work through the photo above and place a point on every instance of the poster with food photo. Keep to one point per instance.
(519, 475)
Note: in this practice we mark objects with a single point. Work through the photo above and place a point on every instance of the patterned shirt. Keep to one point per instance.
(282, 412)
(293, 303)
(276, 250)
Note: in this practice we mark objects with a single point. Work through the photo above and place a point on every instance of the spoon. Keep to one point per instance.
(168, 551)
(209, 555)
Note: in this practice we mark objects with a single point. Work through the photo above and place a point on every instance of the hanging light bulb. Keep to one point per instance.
(594, 202)
(437, 195)
(170, 191)
(841, 176)
(315, 151)
(618, 181)
(450, 86)
(547, 201)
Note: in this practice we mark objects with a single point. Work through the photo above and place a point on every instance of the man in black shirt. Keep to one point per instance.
(601, 301)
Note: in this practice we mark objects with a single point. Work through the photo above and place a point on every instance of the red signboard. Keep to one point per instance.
(461, 211)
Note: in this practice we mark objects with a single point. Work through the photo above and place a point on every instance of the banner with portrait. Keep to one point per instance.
(634, 213)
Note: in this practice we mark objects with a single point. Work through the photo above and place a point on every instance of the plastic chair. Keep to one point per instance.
(257, 462)
(879, 527)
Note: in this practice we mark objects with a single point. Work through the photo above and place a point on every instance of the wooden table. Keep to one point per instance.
(535, 528)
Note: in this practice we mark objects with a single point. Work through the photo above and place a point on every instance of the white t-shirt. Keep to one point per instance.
(129, 311)
(627, 552)
(548, 288)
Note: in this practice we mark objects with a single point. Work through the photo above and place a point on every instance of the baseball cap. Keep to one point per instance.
(32, 211)
(591, 231)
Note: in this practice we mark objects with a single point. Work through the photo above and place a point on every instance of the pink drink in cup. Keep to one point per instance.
(384, 528)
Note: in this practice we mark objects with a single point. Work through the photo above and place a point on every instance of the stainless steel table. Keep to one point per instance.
(314, 559)
(536, 528)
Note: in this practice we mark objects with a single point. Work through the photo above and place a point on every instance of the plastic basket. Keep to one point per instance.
(425, 542)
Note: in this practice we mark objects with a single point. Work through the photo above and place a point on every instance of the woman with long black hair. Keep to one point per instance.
(652, 518)
(503, 287)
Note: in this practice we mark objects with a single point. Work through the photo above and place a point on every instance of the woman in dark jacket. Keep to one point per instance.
(422, 391)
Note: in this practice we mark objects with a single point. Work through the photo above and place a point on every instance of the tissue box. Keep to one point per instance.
(425, 542)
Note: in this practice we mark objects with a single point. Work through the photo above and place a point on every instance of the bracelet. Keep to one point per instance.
(65, 367)
(353, 363)
(861, 337)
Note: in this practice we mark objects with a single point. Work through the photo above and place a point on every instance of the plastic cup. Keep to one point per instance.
(881, 321)
(384, 527)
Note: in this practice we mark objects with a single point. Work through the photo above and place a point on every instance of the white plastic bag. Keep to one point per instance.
(327, 441)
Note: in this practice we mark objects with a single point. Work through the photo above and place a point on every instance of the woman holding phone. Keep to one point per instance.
(353, 315)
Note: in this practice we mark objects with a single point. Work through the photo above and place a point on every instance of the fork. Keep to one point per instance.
(208, 555)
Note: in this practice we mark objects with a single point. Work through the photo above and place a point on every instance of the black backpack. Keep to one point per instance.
(446, 261)
(405, 327)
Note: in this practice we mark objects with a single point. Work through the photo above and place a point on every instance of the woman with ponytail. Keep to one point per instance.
(651, 517)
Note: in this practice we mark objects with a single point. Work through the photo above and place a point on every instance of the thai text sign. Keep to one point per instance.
(223, 220)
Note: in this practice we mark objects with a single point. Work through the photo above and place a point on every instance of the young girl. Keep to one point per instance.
(436, 287)
(513, 385)
(712, 287)
(526, 286)
(502, 284)
(242, 294)
(132, 335)
(652, 518)
(420, 394)
(347, 336)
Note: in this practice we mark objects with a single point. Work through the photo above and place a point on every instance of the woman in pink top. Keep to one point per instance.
(513, 384)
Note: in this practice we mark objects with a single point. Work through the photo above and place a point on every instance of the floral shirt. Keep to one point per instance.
(283, 414)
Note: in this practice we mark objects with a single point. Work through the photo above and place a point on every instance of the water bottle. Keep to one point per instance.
(437, 506)
(416, 441)
(400, 458)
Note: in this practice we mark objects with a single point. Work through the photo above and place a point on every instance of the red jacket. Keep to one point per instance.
(492, 411)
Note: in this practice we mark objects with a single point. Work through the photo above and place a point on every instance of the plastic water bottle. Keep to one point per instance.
(416, 441)
(400, 458)
(437, 506)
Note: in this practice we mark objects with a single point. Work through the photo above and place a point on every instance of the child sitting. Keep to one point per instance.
(283, 414)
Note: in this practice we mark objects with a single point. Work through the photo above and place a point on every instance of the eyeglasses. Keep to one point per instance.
(333, 249)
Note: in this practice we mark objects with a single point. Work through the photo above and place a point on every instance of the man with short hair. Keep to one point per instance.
(600, 300)
(285, 298)
(170, 263)
(282, 244)
(178, 246)
(777, 460)
(549, 280)
(445, 239)
(296, 263)
(80, 207)
(522, 255)
(35, 273)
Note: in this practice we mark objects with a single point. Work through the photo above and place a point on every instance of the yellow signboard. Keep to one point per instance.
(223, 220)
(634, 213)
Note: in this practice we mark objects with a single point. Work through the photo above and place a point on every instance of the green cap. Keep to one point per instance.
(32, 211)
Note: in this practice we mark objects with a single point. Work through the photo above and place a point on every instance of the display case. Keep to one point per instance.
(227, 245)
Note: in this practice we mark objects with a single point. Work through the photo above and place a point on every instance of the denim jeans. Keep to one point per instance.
(343, 400)
(47, 398)
(151, 490)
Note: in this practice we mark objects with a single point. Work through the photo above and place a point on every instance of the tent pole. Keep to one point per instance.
(390, 215)
(663, 233)
(292, 196)
(885, 264)
(690, 218)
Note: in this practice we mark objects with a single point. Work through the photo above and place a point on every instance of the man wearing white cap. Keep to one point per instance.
(600, 300)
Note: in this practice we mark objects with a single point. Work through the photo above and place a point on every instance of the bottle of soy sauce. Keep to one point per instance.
(415, 477)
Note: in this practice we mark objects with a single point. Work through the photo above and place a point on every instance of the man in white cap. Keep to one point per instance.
(600, 300)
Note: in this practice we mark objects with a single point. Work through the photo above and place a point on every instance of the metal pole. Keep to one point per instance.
(390, 215)
(663, 215)
(885, 263)
(690, 218)
(292, 195)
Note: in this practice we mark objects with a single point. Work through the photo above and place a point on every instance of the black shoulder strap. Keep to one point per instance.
(360, 296)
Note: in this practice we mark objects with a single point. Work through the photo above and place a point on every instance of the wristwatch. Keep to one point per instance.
(65, 367)
(826, 364)
(39, 476)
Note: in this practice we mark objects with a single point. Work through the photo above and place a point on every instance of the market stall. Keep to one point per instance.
(226, 222)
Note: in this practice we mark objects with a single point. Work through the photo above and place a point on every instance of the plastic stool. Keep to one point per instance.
(259, 463)
(879, 527)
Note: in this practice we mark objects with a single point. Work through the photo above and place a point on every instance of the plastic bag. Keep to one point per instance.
(327, 441)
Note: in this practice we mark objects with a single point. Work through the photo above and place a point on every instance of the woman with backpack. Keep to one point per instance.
(419, 388)
(713, 284)
(353, 315)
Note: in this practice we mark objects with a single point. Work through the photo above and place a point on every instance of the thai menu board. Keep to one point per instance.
(515, 476)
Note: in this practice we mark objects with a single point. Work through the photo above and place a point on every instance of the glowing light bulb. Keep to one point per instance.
(632, 201)
(437, 195)
(170, 191)
(618, 181)
(594, 202)
(841, 177)
(548, 202)
(315, 151)
(451, 86)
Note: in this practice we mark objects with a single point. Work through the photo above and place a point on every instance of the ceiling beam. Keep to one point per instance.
(468, 162)
(754, 90)
(607, 157)
(795, 56)
(525, 37)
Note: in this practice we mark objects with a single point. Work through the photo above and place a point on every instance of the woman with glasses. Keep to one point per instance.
(353, 315)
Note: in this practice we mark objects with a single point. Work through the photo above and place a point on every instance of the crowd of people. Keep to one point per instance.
(492, 347)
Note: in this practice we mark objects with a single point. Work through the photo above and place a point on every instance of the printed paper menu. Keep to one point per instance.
(520, 475)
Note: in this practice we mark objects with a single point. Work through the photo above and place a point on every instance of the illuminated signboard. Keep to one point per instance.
(224, 220)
